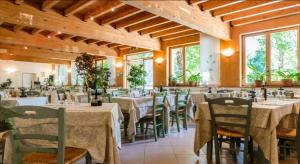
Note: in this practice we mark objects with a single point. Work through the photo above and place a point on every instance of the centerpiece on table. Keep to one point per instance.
(137, 77)
(95, 77)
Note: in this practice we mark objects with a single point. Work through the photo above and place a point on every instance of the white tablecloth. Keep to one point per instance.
(25, 101)
(96, 129)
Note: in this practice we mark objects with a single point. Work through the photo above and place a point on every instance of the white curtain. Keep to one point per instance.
(61, 74)
(111, 63)
(210, 60)
(76, 80)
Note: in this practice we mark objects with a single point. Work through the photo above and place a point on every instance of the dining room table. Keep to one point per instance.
(265, 117)
(138, 107)
(95, 128)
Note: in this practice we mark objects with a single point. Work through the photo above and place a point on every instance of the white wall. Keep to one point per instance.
(210, 59)
(15, 69)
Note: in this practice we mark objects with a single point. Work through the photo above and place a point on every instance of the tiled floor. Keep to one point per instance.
(176, 148)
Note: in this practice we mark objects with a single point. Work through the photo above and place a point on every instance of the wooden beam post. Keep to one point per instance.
(182, 13)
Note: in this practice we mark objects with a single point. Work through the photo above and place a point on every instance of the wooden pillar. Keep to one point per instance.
(119, 71)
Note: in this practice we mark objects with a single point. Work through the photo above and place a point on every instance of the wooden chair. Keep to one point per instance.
(157, 117)
(180, 112)
(22, 153)
(220, 128)
(288, 137)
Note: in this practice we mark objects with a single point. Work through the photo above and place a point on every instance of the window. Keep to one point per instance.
(185, 61)
(109, 62)
(145, 59)
(269, 53)
(61, 74)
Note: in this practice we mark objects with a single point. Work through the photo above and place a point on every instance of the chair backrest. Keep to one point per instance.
(106, 97)
(36, 113)
(182, 97)
(158, 102)
(233, 113)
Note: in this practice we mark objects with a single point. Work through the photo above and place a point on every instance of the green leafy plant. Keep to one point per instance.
(94, 77)
(256, 74)
(136, 76)
(195, 78)
(293, 75)
(6, 84)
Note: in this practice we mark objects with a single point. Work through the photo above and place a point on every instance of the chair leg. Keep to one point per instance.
(142, 127)
(146, 131)
(177, 121)
(246, 146)
(185, 120)
(88, 159)
(217, 150)
(155, 130)
(172, 122)
(163, 123)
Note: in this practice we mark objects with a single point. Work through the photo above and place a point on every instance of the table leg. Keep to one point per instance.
(132, 140)
(209, 150)
(261, 158)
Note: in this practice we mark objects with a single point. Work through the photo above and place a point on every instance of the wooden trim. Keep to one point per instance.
(212, 5)
(103, 9)
(267, 16)
(53, 21)
(81, 4)
(170, 31)
(267, 34)
(276, 6)
(179, 35)
(48, 4)
(187, 15)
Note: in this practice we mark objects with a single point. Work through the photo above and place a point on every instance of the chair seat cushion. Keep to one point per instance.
(286, 133)
(71, 155)
(229, 133)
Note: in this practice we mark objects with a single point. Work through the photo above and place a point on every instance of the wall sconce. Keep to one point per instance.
(119, 64)
(69, 70)
(228, 52)
(159, 60)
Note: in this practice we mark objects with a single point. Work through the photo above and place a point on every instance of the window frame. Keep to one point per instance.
(184, 58)
(267, 34)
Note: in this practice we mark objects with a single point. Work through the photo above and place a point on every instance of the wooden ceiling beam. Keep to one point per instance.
(18, 2)
(48, 4)
(159, 28)
(17, 27)
(261, 10)
(51, 21)
(103, 9)
(123, 47)
(215, 4)
(81, 4)
(147, 24)
(1, 23)
(18, 50)
(241, 6)
(187, 15)
(179, 35)
(196, 2)
(90, 41)
(267, 16)
(66, 36)
(36, 31)
(119, 16)
(135, 19)
(102, 43)
(113, 45)
(54, 44)
(170, 31)
(78, 38)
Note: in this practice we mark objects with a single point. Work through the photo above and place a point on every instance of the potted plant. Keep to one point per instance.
(136, 76)
(6, 84)
(287, 77)
(194, 79)
(94, 77)
(257, 76)
(173, 81)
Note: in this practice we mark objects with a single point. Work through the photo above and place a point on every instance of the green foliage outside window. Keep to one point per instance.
(136, 76)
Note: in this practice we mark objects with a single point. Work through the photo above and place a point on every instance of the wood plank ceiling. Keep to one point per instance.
(105, 13)
(245, 12)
